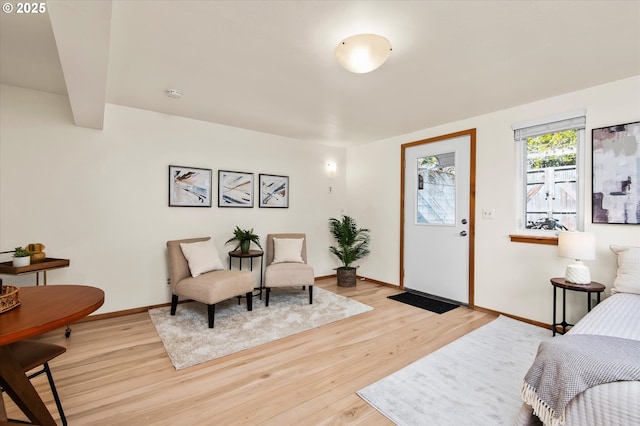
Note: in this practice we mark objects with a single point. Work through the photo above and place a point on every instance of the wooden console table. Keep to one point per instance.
(47, 264)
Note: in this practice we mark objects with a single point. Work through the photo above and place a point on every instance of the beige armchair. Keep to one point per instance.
(191, 276)
(287, 263)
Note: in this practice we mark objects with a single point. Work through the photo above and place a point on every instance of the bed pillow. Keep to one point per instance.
(202, 257)
(628, 275)
(287, 250)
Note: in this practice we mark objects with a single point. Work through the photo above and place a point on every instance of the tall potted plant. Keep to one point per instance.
(352, 244)
(244, 238)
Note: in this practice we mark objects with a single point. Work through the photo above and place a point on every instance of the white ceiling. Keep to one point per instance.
(269, 65)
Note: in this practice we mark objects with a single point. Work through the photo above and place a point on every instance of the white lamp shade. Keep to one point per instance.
(363, 53)
(577, 245)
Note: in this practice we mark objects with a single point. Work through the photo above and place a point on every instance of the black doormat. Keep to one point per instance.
(433, 305)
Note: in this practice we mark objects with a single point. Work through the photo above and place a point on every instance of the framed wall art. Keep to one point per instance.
(235, 189)
(616, 170)
(189, 187)
(274, 191)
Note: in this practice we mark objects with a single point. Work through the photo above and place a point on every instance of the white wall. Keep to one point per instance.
(99, 198)
(509, 277)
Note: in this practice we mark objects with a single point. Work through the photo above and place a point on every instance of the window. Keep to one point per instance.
(551, 181)
(436, 196)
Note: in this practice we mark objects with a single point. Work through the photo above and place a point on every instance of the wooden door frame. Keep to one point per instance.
(471, 133)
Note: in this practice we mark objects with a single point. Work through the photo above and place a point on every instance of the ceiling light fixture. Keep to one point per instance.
(363, 53)
(173, 93)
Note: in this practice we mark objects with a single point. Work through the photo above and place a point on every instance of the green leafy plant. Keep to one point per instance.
(352, 242)
(244, 238)
(20, 252)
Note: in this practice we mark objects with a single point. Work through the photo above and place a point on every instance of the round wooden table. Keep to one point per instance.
(41, 309)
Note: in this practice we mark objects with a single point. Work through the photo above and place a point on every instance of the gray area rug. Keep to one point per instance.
(189, 341)
(474, 380)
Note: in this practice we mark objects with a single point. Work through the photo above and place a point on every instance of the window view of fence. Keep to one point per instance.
(551, 198)
(551, 181)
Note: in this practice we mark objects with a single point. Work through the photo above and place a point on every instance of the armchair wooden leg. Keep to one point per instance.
(174, 304)
(250, 301)
(311, 295)
(266, 298)
(211, 309)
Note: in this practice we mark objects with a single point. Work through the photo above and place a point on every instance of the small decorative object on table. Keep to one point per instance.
(8, 297)
(21, 257)
(244, 238)
(37, 252)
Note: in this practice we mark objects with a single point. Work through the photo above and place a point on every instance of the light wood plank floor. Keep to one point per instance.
(116, 372)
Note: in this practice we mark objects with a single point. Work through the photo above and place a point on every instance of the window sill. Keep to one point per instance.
(534, 239)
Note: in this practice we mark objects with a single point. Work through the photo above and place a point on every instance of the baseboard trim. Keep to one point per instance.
(324, 277)
(382, 283)
(146, 308)
(125, 312)
(528, 321)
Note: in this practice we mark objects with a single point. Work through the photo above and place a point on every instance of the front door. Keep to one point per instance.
(438, 213)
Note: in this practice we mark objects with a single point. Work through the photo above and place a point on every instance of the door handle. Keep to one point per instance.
(463, 233)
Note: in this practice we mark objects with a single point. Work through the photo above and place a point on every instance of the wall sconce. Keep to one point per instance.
(331, 168)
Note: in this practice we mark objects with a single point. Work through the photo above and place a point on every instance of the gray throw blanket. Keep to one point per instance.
(568, 365)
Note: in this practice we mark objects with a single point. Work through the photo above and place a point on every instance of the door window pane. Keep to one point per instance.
(436, 189)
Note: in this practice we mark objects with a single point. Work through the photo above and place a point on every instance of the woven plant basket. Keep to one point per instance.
(346, 277)
(9, 298)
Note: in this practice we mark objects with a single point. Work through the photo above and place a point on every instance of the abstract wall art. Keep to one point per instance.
(189, 187)
(235, 189)
(274, 191)
(616, 171)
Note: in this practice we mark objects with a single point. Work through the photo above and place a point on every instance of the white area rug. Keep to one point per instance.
(189, 341)
(474, 380)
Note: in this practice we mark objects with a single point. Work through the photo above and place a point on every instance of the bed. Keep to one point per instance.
(617, 317)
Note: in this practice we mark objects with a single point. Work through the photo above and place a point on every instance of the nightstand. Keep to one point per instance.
(592, 287)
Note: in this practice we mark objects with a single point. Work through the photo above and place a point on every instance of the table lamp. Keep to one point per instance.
(578, 246)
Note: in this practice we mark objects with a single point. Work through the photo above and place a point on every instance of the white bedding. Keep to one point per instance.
(616, 316)
(613, 403)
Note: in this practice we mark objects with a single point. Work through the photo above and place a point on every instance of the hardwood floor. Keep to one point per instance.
(116, 372)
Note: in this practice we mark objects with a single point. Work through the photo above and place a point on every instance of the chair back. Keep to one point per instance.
(178, 265)
(270, 237)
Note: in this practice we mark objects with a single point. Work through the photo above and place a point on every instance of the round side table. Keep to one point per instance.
(592, 287)
(251, 254)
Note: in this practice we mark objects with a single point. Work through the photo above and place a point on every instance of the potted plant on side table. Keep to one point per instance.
(352, 245)
(244, 239)
(21, 257)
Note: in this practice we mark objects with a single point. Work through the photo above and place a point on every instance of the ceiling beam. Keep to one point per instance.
(82, 31)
